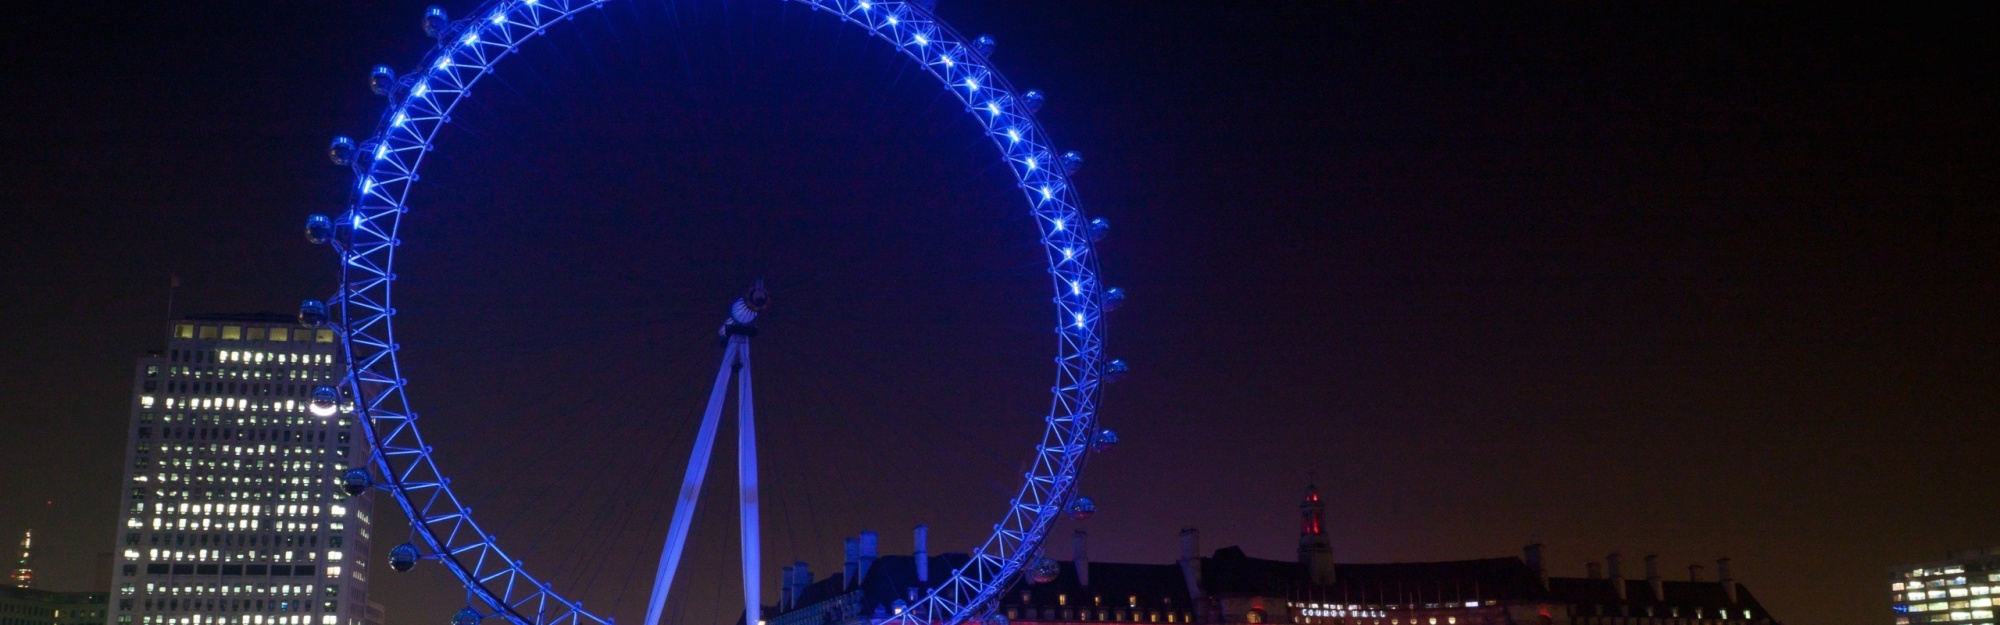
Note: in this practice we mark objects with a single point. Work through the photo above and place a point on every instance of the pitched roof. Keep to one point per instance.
(1232, 572)
(1639, 594)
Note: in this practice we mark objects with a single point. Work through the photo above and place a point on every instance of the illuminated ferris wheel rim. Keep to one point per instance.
(367, 236)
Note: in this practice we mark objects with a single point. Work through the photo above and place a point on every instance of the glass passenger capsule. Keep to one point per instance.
(1114, 298)
(355, 480)
(1083, 508)
(984, 45)
(1044, 571)
(1032, 100)
(1099, 228)
(466, 616)
(1106, 440)
(1072, 161)
(319, 229)
(404, 558)
(312, 313)
(382, 80)
(1116, 370)
(435, 21)
(325, 401)
(341, 151)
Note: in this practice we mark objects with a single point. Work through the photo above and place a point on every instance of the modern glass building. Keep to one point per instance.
(1962, 588)
(232, 512)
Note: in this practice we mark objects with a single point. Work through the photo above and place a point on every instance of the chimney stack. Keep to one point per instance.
(1694, 573)
(852, 566)
(799, 584)
(922, 555)
(1593, 570)
(785, 595)
(1081, 541)
(1191, 561)
(1532, 554)
(1653, 578)
(869, 542)
(1611, 563)
(1728, 580)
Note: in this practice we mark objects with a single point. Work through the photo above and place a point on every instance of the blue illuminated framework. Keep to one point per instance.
(366, 237)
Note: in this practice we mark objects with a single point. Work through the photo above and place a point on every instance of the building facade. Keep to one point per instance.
(1230, 587)
(231, 512)
(1961, 588)
(28, 606)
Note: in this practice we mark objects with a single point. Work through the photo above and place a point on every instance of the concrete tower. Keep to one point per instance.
(230, 510)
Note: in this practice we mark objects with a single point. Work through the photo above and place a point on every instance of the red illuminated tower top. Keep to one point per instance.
(1315, 548)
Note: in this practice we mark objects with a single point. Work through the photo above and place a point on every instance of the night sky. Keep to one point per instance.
(1694, 281)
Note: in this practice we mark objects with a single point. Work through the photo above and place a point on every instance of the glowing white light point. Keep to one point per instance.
(972, 84)
(422, 88)
(499, 18)
(1069, 253)
(892, 20)
(1075, 288)
(992, 108)
(471, 38)
(922, 40)
(1045, 193)
(1031, 164)
(1014, 135)
(1079, 320)
(382, 151)
(1059, 225)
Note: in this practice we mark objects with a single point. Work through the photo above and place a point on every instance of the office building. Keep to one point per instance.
(1958, 589)
(231, 512)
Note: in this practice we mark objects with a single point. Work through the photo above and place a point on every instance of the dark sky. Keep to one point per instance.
(1687, 280)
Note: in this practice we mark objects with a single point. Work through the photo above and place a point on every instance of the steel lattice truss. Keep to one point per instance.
(421, 104)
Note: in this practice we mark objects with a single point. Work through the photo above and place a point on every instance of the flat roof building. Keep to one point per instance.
(1961, 588)
(231, 512)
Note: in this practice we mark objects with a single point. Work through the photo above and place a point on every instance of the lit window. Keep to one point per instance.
(256, 334)
(184, 331)
(324, 336)
(208, 332)
(232, 333)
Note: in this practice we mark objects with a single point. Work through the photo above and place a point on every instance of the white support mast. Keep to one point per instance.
(736, 333)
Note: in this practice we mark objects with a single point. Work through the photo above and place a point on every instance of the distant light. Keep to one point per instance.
(1069, 253)
(422, 88)
(499, 18)
(1079, 320)
(1014, 135)
(1031, 163)
(400, 118)
(946, 59)
(992, 108)
(1045, 193)
(892, 20)
(443, 62)
(381, 151)
(972, 84)
(470, 38)
(1075, 288)
(867, 5)
(367, 185)
(925, 41)
(1059, 225)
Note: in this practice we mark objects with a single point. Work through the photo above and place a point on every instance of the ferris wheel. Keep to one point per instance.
(443, 528)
